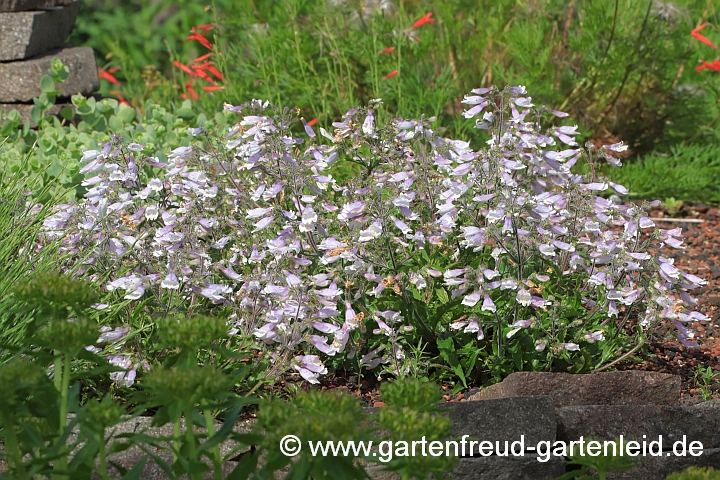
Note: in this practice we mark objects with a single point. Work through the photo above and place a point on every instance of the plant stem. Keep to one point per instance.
(190, 439)
(62, 462)
(702, 130)
(176, 439)
(628, 68)
(210, 425)
(12, 448)
(600, 369)
(103, 457)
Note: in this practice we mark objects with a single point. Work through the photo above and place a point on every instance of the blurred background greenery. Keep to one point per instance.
(623, 69)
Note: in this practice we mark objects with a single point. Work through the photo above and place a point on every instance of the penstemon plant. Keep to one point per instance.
(499, 259)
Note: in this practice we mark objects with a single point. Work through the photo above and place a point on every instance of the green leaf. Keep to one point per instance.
(36, 114)
(56, 168)
(47, 84)
(447, 352)
(185, 113)
(136, 471)
(104, 107)
(67, 113)
(116, 124)
(79, 101)
(126, 114)
(7, 129)
(245, 467)
(442, 295)
(56, 65)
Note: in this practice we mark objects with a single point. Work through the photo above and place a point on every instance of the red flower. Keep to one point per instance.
(203, 58)
(199, 72)
(200, 37)
(422, 21)
(390, 75)
(192, 94)
(312, 122)
(696, 33)
(213, 88)
(210, 68)
(183, 67)
(108, 75)
(122, 100)
(387, 50)
(215, 72)
(120, 97)
(715, 66)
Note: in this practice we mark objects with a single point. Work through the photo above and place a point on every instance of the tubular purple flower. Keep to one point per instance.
(309, 367)
(110, 335)
(321, 344)
(472, 299)
(308, 129)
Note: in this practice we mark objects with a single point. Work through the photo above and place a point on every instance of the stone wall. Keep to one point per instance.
(32, 33)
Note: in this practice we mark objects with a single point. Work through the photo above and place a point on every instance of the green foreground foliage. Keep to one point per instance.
(696, 473)
(38, 414)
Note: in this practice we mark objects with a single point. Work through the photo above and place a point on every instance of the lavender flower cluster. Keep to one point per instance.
(254, 226)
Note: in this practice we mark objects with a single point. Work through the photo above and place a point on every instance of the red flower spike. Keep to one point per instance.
(113, 70)
(215, 72)
(213, 88)
(696, 34)
(183, 67)
(206, 27)
(207, 66)
(386, 50)
(192, 94)
(107, 76)
(390, 75)
(422, 21)
(715, 66)
(200, 38)
(203, 75)
(315, 120)
(203, 58)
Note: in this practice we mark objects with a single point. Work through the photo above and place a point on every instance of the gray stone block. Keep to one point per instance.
(503, 420)
(24, 5)
(20, 81)
(658, 468)
(508, 468)
(605, 388)
(26, 34)
(607, 422)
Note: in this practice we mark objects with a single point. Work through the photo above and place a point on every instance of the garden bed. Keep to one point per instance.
(666, 354)
(701, 257)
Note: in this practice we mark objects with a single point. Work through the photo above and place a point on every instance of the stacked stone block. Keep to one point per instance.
(32, 33)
